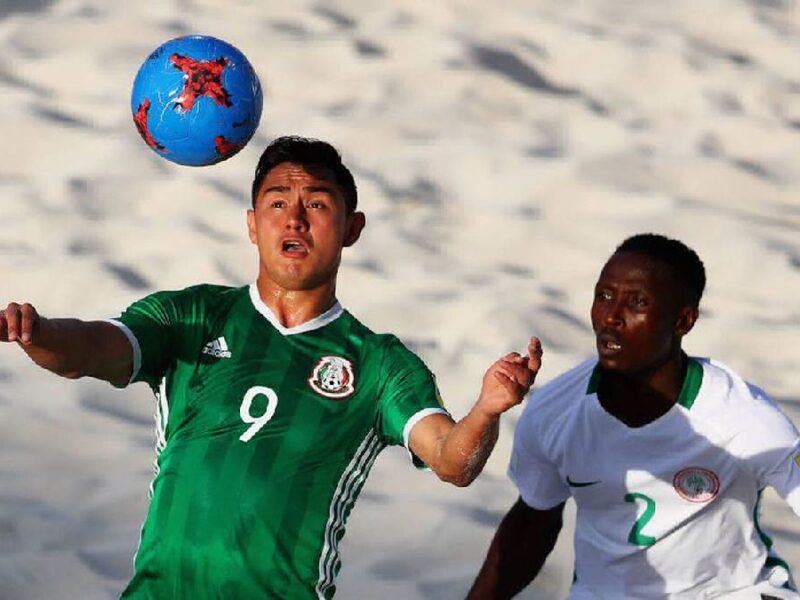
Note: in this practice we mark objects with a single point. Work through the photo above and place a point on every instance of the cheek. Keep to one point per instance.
(265, 227)
(257, 233)
(641, 325)
(651, 332)
(596, 316)
(332, 234)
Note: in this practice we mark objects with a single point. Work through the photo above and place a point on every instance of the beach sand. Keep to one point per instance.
(501, 153)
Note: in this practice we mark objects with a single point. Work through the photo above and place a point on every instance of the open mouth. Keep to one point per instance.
(294, 248)
(608, 345)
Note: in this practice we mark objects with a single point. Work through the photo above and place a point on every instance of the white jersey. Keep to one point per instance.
(670, 509)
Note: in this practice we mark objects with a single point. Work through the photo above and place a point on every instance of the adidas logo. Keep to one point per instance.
(217, 348)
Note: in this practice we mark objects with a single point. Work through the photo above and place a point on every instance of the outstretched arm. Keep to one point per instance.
(457, 452)
(520, 546)
(69, 347)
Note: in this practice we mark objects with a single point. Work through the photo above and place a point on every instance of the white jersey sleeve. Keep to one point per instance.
(537, 439)
(537, 479)
(772, 449)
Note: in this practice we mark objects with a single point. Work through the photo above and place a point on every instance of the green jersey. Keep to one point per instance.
(265, 436)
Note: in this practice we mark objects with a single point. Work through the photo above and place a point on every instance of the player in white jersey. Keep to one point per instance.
(665, 455)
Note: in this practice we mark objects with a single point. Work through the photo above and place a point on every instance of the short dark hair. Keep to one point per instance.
(311, 154)
(683, 261)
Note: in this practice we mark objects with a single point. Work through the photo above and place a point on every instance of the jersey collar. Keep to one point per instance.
(330, 315)
(689, 390)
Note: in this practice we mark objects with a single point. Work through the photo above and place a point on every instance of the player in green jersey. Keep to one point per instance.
(272, 400)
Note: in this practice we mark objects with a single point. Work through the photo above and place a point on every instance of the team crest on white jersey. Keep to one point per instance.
(333, 377)
(696, 484)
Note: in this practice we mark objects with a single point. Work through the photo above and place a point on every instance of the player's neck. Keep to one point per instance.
(640, 399)
(295, 307)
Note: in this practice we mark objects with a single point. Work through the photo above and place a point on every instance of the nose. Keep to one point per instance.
(613, 314)
(296, 220)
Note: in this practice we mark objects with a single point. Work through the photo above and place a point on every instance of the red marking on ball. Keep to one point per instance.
(140, 120)
(203, 78)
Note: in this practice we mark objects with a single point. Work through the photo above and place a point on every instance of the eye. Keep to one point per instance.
(317, 203)
(638, 301)
(277, 203)
(603, 295)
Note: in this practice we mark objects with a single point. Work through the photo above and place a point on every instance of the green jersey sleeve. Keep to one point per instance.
(408, 395)
(160, 327)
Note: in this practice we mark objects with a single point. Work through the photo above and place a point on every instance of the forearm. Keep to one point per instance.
(60, 346)
(520, 546)
(457, 452)
(466, 447)
(73, 348)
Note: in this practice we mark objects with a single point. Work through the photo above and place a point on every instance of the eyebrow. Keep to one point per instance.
(309, 188)
(276, 188)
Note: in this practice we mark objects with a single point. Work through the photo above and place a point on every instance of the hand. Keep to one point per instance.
(508, 380)
(18, 323)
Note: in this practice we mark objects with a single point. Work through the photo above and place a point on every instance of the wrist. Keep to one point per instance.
(484, 413)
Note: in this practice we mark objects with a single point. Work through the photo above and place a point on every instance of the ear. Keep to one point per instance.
(251, 225)
(687, 317)
(355, 224)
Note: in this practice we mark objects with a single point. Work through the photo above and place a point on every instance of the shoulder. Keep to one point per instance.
(203, 293)
(382, 351)
(386, 346)
(390, 344)
(740, 408)
(395, 368)
(191, 304)
(395, 353)
(574, 382)
(724, 392)
(551, 406)
(212, 293)
(208, 299)
(356, 328)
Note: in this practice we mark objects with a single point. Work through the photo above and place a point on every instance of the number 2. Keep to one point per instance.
(636, 536)
(257, 422)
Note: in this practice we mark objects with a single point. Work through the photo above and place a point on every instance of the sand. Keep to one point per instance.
(501, 153)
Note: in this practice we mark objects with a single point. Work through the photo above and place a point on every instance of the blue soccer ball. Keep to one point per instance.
(196, 100)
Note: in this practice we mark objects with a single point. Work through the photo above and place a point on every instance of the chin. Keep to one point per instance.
(294, 285)
(607, 364)
(614, 365)
(299, 277)
(301, 284)
(291, 278)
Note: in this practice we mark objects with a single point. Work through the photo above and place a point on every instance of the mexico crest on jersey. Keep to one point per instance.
(333, 377)
(696, 484)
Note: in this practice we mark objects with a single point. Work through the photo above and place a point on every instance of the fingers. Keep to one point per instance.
(510, 384)
(29, 319)
(535, 352)
(516, 370)
(13, 324)
(512, 357)
(508, 380)
(10, 322)
(17, 323)
(534, 358)
(522, 369)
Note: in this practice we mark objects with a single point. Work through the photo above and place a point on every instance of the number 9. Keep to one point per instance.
(257, 422)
